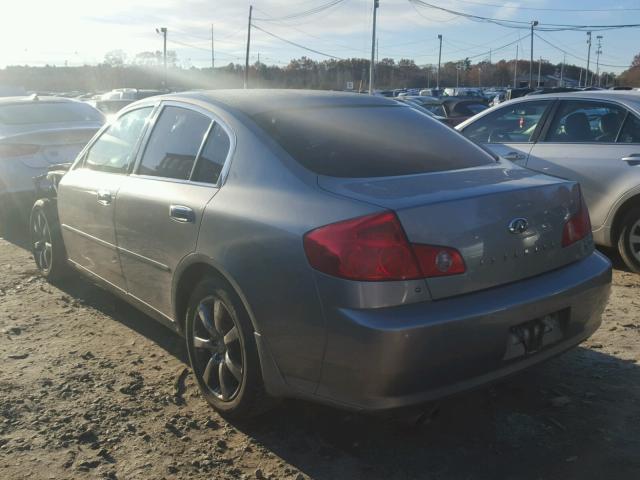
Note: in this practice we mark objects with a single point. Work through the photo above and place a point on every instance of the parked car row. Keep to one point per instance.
(304, 254)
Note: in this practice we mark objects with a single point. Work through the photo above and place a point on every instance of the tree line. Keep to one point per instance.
(146, 70)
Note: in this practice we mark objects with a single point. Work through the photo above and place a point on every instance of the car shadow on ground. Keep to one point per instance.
(575, 416)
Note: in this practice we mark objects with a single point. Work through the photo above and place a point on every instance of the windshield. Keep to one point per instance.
(42, 112)
(369, 141)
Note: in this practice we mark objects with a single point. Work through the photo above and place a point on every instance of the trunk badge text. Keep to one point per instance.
(518, 225)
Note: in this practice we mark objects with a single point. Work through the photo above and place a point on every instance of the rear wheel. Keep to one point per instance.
(629, 240)
(46, 241)
(222, 351)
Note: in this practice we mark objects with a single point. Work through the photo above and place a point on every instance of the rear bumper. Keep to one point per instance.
(378, 359)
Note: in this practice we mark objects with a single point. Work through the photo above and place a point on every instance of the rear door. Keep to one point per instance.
(87, 194)
(587, 141)
(510, 131)
(160, 206)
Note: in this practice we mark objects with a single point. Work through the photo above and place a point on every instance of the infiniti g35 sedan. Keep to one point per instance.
(590, 137)
(303, 254)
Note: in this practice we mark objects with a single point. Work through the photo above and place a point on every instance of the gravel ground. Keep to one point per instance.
(92, 388)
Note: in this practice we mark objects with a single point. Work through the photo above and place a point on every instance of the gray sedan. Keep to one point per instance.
(590, 137)
(335, 247)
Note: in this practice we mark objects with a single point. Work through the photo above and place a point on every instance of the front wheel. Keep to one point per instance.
(629, 240)
(222, 351)
(46, 240)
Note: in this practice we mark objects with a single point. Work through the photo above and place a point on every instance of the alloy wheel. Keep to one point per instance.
(218, 349)
(42, 245)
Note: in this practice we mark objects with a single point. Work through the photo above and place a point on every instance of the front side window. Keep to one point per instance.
(213, 156)
(510, 124)
(174, 143)
(630, 131)
(115, 149)
(584, 121)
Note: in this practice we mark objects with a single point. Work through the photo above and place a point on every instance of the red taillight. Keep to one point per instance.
(375, 248)
(578, 226)
(17, 149)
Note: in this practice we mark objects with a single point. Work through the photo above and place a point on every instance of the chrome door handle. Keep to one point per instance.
(104, 197)
(513, 156)
(633, 159)
(182, 214)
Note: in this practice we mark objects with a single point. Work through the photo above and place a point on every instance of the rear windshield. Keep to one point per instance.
(370, 141)
(36, 112)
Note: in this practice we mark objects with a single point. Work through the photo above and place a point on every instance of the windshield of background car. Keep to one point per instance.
(369, 141)
(435, 108)
(42, 112)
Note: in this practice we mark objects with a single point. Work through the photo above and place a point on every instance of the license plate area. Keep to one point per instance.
(535, 335)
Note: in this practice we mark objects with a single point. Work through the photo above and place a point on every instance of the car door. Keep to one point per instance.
(510, 131)
(584, 141)
(160, 206)
(87, 194)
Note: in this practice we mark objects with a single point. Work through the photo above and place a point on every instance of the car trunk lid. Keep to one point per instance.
(472, 210)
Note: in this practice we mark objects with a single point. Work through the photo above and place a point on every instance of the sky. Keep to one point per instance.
(77, 32)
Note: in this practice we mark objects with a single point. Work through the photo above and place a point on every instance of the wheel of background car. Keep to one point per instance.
(629, 240)
(47, 245)
(222, 351)
(499, 136)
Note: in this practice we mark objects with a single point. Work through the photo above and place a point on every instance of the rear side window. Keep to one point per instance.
(43, 112)
(212, 157)
(630, 130)
(174, 143)
(369, 141)
(115, 149)
(510, 124)
(582, 121)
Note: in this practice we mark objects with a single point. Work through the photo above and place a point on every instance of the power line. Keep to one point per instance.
(542, 9)
(303, 14)
(295, 44)
(577, 56)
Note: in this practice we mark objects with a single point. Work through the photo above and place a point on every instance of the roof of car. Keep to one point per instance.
(34, 99)
(252, 102)
(622, 95)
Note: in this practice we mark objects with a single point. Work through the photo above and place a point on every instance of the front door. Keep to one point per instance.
(87, 195)
(159, 208)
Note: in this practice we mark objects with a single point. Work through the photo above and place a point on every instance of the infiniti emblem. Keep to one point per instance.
(518, 225)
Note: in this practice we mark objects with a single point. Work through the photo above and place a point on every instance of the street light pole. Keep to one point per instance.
(439, 60)
(586, 77)
(246, 60)
(376, 4)
(163, 31)
(534, 23)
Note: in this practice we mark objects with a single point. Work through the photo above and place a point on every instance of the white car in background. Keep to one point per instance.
(591, 137)
(36, 132)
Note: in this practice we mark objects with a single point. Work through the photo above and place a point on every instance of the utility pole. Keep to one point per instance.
(534, 23)
(539, 70)
(586, 77)
(457, 75)
(163, 31)
(490, 51)
(439, 60)
(213, 58)
(515, 68)
(564, 60)
(479, 77)
(598, 52)
(246, 60)
(376, 4)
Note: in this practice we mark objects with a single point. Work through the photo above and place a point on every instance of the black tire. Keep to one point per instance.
(629, 240)
(47, 245)
(226, 364)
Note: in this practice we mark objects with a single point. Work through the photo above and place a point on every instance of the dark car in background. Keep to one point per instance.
(304, 254)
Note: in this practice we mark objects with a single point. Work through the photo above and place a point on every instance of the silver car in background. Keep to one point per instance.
(335, 247)
(591, 137)
(36, 132)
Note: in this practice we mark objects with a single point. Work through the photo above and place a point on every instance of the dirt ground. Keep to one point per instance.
(92, 388)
